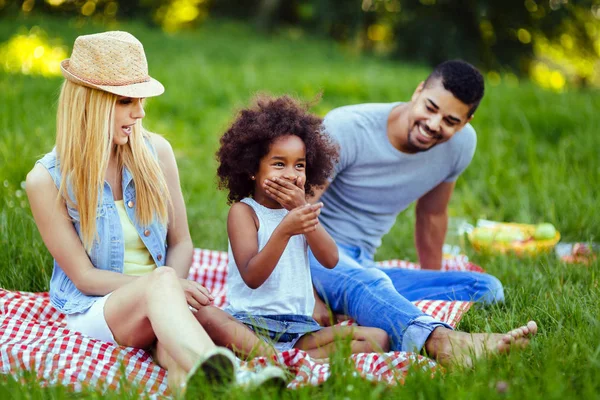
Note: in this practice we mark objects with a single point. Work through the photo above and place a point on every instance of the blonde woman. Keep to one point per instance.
(109, 207)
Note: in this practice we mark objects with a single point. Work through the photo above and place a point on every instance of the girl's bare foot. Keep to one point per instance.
(449, 347)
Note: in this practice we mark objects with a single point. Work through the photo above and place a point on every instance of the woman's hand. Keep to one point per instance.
(196, 295)
(301, 220)
(287, 192)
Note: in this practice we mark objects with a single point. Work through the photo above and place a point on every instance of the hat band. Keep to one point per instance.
(112, 82)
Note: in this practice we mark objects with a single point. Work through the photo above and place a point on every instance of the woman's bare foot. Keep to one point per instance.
(450, 347)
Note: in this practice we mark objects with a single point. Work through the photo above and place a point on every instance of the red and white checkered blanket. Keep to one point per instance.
(33, 337)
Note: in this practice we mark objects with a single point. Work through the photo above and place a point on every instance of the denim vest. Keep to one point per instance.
(108, 250)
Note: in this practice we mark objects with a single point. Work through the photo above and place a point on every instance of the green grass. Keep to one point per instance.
(537, 160)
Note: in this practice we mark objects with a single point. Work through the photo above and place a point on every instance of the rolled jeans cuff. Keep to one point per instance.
(418, 331)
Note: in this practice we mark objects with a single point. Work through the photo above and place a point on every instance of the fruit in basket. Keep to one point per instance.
(483, 235)
(544, 231)
(509, 235)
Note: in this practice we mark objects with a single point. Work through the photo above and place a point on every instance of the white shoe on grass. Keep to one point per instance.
(215, 367)
(267, 377)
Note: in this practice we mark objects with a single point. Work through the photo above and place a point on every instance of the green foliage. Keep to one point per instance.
(557, 42)
(505, 36)
(537, 160)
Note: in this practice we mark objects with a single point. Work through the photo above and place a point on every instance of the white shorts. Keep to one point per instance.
(92, 322)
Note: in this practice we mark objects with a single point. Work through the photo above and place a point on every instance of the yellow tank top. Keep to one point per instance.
(137, 259)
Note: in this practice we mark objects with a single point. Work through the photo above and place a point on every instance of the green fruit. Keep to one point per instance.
(483, 235)
(544, 231)
(509, 235)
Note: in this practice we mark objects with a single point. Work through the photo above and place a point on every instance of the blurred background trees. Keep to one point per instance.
(555, 42)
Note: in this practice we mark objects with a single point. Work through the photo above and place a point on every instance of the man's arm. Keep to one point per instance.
(431, 224)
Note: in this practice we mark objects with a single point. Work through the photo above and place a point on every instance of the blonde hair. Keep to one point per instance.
(84, 140)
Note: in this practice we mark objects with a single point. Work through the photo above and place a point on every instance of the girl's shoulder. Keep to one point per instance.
(242, 210)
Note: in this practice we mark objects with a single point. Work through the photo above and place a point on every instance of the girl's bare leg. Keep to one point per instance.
(321, 344)
(229, 332)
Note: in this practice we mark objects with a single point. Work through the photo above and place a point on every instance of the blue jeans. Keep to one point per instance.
(381, 297)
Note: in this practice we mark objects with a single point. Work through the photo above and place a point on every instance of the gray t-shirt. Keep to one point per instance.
(374, 181)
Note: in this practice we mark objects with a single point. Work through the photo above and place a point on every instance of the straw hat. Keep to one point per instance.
(111, 61)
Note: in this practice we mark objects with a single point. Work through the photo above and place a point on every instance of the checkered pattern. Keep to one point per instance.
(33, 337)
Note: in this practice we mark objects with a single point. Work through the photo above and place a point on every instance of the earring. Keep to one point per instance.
(252, 177)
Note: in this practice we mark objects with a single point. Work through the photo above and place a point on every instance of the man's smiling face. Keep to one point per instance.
(435, 116)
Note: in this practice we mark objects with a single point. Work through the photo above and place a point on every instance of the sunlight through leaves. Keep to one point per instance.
(33, 53)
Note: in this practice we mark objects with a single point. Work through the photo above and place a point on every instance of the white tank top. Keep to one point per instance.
(289, 288)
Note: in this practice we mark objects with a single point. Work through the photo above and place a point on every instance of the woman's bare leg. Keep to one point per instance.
(321, 344)
(177, 375)
(154, 307)
(229, 332)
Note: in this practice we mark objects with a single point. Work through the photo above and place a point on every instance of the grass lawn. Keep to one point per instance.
(537, 160)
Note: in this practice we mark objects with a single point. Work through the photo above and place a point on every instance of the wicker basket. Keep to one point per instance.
(529, 246)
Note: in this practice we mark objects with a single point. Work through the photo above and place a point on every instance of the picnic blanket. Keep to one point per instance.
(33, 337)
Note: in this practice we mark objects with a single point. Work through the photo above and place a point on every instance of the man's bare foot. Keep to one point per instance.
(450, 347)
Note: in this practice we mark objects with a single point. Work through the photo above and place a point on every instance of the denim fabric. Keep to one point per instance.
(280, 328)
(107, 251)
(375, 296)
(416, 284)
(447, 285)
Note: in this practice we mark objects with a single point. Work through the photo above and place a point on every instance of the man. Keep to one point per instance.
(392, 155)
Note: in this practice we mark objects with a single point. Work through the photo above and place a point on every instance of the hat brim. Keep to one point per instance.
(136, 90)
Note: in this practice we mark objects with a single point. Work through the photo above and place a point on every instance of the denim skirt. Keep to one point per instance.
(282, 331)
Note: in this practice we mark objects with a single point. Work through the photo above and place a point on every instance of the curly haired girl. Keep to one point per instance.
(272, 156)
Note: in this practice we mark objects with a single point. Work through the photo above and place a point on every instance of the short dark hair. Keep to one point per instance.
(461, 79)
(251, 134)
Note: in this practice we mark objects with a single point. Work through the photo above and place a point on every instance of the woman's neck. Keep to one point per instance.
(112, 156)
